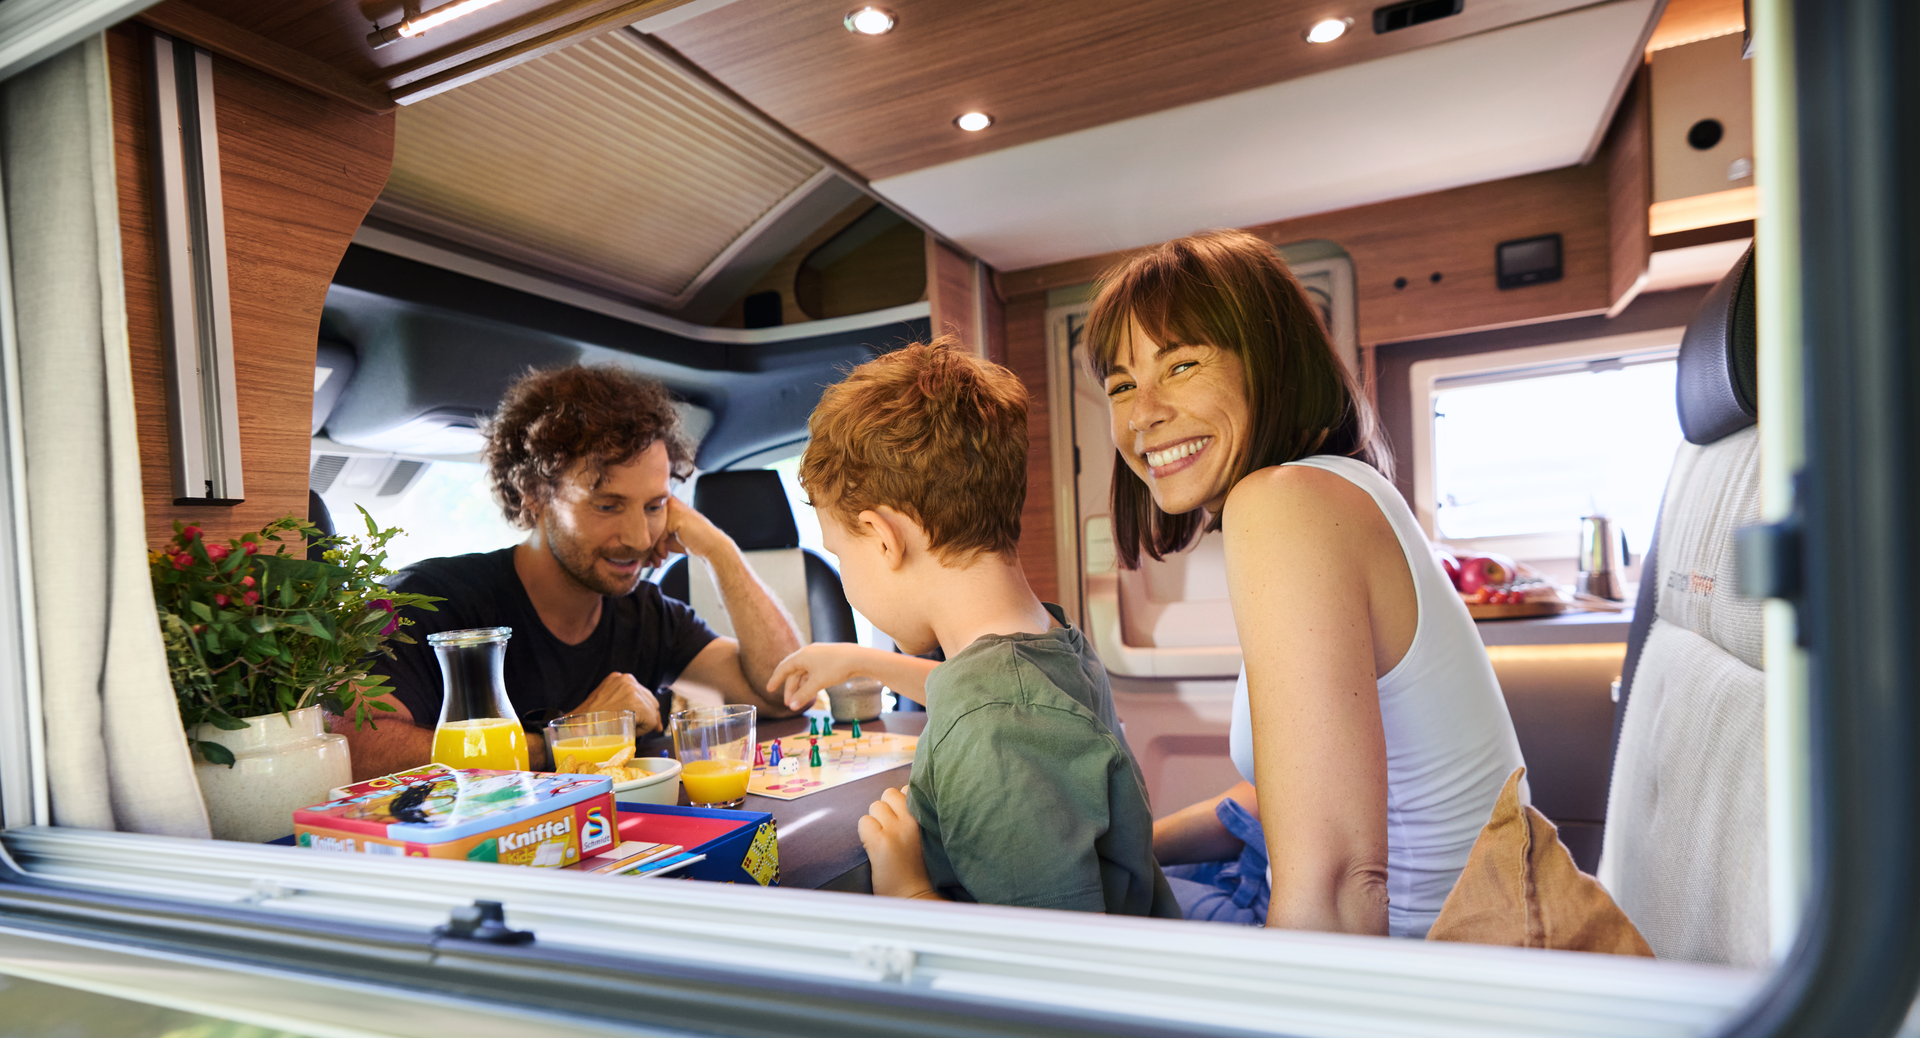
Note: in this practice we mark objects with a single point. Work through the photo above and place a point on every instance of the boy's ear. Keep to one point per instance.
(890, 529)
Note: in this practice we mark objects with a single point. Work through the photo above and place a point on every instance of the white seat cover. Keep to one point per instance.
(783, 570)
(1686, 842)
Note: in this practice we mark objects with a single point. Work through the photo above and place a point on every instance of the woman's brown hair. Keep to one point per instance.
(1229, 289)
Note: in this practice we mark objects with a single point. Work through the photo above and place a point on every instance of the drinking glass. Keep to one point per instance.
(479, 727)
(588, 738)
(715, 747)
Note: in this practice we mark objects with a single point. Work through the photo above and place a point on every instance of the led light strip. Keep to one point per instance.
(414, 23)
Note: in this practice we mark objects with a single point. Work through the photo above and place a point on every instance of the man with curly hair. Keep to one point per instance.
(583, 459)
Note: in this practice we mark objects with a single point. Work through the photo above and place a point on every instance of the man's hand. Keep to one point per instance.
(892, 840)
(622, 692)
(688, 533)
(800, 677)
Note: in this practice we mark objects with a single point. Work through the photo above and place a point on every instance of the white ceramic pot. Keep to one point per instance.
(281, 763)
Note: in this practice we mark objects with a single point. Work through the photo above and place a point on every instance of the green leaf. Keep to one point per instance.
(226, 723)
(378, 705)
(214, 753)
(201, 610)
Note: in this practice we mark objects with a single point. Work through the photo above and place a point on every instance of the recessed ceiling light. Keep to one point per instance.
(869, 21)
(1329, 30)
(973, 122)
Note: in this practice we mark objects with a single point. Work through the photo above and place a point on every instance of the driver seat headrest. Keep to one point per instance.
(750, 506)
(1718, 379)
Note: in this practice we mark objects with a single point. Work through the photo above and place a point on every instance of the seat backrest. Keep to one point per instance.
(751, 507)
(1685, 850)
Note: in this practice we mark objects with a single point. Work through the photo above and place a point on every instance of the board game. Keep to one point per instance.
(843, 759)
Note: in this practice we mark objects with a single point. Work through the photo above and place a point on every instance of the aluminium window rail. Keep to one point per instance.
(720, 958)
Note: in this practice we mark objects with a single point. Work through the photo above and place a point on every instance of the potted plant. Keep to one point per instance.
(261, 643)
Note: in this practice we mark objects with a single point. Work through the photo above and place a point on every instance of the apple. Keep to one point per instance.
(1449, 563)
(1489, 571)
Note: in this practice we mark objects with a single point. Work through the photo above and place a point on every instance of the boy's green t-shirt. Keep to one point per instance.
(1023, 788)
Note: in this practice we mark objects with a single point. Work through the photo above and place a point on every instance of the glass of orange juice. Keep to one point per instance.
(478, 726)
(715, 747)
(588, 738)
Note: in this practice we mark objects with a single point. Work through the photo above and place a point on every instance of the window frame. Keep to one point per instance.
(1854, 297)
(1425, 381)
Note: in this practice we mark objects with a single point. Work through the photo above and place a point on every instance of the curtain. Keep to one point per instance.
(115, 752)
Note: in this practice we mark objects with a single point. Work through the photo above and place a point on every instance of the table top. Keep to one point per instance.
(1569, 628)
(819, 840)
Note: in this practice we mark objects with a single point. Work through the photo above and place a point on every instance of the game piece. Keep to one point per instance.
(843, 759)
(813, 727)
(813, 758)
(826, 725)
(856, 728)
(759, 756)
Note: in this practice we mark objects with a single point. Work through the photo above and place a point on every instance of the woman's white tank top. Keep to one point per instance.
(1450, 743)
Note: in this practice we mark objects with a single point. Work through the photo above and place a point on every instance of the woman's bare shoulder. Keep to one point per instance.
(1297, 491)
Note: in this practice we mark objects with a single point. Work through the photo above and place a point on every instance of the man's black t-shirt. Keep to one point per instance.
(645, 634)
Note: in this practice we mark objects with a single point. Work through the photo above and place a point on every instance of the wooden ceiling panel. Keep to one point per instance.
(883, 105)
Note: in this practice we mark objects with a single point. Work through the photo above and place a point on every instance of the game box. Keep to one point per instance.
(510, 817)
(740, 846)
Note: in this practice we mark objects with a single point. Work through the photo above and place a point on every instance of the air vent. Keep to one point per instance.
(326, 469)
(401, 477)
(1413, 12)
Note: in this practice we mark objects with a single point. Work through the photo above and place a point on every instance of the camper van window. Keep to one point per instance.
(1606, 453)
(447, 510)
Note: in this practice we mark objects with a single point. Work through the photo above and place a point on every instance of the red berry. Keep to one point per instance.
(221, 600)
(251, 597)
(246, 581)
(252, 547)
(217, 552)
(182, 560)
(188, 534)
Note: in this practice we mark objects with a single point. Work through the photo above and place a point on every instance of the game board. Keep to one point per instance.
(843, 759)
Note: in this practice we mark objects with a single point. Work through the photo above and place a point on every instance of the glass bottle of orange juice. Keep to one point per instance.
(478, 726)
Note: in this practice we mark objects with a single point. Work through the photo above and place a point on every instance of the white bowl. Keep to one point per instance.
(660, 786)
(858, 699)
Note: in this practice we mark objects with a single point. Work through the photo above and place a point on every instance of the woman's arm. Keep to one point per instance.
(1297, 548)
(1194, 834)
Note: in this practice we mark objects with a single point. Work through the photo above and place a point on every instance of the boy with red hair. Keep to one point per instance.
(1022, 791)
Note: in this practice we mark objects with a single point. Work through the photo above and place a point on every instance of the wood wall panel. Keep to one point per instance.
(1025, 335)
(298, 172)
(950, 290)
(1451, 233)
(1629, 158)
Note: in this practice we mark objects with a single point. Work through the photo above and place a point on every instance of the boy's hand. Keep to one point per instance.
(892, 840)
(800, 677)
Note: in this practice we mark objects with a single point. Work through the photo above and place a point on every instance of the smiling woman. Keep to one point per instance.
(1367, 723)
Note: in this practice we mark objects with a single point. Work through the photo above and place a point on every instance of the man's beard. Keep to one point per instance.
(578, 562)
